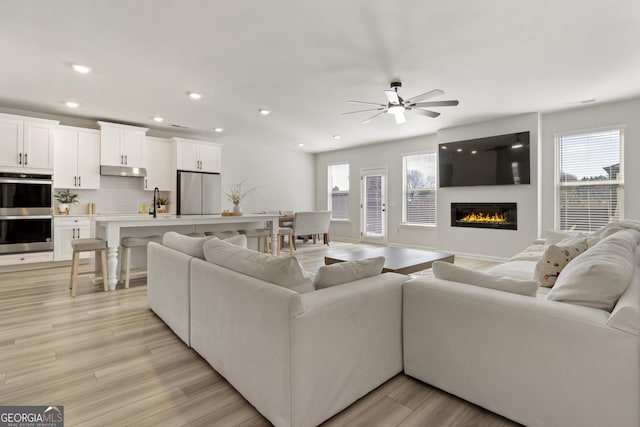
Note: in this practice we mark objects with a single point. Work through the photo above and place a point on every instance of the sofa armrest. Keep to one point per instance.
(346, 343)
(535, 361)
(168, 287)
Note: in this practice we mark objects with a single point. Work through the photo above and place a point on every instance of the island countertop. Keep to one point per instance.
(109, 228)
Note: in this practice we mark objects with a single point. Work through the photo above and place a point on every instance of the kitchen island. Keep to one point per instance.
(113, 227)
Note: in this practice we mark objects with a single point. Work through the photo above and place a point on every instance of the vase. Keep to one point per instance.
(237, 210)
(63, 209)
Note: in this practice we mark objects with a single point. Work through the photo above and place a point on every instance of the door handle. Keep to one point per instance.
(78, 233)
(20, 161)
(25, 158)
(74, 233)
(79, 181)
(146, 183)
(75, 181)
(121, 159)
(126, 159)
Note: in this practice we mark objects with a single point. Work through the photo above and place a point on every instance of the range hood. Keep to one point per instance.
(122, 171)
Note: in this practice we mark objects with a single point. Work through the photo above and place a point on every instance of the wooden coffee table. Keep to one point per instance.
(397, 260)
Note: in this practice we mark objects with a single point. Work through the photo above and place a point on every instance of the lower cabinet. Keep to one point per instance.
(26, 258)
(65, 230)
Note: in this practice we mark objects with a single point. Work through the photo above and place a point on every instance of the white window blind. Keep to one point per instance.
(590, 179)
(373, 204)
(339, 190)
(419, 189)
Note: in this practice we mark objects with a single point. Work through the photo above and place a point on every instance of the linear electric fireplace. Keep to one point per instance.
(502, 216)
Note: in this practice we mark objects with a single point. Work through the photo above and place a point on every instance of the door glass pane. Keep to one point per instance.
(373, 201)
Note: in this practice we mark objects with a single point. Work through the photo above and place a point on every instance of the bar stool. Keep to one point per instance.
(87, 245)
(262, 234)
(285, 231)
(127, 244)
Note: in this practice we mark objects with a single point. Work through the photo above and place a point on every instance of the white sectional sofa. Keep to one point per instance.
(298, 358)
(534, 360)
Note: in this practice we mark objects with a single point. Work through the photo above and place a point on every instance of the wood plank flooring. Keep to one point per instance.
(111, 362)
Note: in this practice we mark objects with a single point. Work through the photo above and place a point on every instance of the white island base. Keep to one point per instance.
(113, 228)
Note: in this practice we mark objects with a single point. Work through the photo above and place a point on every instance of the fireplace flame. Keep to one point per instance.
(496, 218)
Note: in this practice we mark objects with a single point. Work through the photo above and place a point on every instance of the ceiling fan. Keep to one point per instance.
(397, 106)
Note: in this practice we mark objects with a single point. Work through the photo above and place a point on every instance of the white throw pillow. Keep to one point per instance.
(344, 272)
(237, 240)
(282, 271)
(455, 273)
(556, 257)
(185, 244)
(599, 276)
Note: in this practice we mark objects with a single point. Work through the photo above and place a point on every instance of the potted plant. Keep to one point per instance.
(163, 202)
(237, 195)
(64, 199)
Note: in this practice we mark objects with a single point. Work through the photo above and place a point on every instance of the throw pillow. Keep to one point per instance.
(185, 244)
(238, 240)
(556, 257)
(343, 272)
(455, 273)
(598, 277)
(282, 271)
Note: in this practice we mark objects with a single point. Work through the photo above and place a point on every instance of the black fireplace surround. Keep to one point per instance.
(503, 216)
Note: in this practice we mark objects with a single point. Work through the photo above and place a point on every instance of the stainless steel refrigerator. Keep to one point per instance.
(199, 193)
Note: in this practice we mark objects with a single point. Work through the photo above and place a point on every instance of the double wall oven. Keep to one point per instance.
(26, 213)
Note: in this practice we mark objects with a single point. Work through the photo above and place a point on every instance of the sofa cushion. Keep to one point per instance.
(282, 271)
(455, 273)
(344, 272)
(185, 244)
(521, 270)
(237, 240)
(556, 257)
(599, 276)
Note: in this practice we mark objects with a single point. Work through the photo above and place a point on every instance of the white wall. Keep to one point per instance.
(387, 155)
(486, 241)
(585, 118)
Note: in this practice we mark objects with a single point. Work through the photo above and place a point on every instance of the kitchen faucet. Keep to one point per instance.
(156, 204)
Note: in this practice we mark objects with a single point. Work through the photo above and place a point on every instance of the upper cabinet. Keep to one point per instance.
(157, 154)
(77, 159)
(122, 145)
(198, 156)
(26, 143)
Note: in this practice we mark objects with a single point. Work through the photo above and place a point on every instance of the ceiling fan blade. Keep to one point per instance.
(400, 118)
(436, 104)
(426, 95)
(392, 96)
(373, 117)
(427, 113)
(362, 111)
(365, 102)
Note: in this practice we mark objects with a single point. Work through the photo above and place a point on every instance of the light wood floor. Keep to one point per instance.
(111, 362)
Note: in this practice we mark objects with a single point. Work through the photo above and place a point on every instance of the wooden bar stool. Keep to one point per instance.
(285, 231)
(127, 244)
(87, 245)
(262, 234)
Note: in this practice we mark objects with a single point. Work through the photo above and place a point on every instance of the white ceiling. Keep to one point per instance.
(303, 59)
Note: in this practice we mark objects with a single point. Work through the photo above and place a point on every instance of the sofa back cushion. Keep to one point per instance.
(283, 271)
(599, 276)
(344, 272)
(455, 273)
(556, 257)
(185, 244)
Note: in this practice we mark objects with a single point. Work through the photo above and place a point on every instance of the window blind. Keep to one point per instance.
(419, 192)
(373, 204)
(338, 190)
(590, 179)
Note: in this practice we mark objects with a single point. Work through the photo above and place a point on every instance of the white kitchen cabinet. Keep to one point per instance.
(66, 229)
(157, 154)
(27, 143)
(121, 145)
(198, 156)
(77, 158)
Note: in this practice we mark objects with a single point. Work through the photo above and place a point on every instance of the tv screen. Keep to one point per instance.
(495, 160)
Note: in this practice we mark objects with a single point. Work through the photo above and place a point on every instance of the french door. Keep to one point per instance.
(373, 205)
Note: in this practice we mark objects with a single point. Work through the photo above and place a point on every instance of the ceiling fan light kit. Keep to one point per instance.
(397, 106)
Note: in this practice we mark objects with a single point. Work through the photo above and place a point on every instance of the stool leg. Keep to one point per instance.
(74, 272)
(103, 258)
(291, 244)
(127, 270)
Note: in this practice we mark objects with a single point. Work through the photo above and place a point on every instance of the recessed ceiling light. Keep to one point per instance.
(264, 112)
(194, 95)
(300, 144)
(336, 137)
(474, 152)
(72, 104)
(218, 129)
(518, 145)
(459, 150)
(83, 69)
(158, 119)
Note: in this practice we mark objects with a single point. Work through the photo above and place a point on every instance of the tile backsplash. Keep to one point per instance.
(117, 195)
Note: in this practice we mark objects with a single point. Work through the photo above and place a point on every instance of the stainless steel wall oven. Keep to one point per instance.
(26, 213)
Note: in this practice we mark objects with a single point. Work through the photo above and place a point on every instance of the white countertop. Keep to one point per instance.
(172, 219)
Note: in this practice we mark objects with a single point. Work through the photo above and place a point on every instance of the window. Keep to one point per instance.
(339, 191)
(589, 179)
(419, 189)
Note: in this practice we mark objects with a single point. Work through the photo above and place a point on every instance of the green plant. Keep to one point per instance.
(163, 201)
(66, 197)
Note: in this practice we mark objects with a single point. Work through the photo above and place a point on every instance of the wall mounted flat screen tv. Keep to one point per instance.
(495, 160)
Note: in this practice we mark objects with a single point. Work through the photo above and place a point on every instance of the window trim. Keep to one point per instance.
(556, 165)
(404, 189)
(329, 192)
